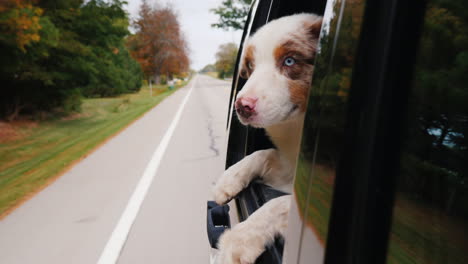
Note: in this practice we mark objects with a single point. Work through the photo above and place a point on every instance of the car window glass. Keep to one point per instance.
(430, 217)
(324, 128)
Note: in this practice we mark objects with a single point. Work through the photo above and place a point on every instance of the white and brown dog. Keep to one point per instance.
(278, 63)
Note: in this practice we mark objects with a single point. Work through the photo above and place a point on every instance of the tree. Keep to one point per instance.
(226, 60)
(27, 35)
(159, 44)
(232, 14)
(54, 52)
(208, 68)
(103, 28)
(20, 22)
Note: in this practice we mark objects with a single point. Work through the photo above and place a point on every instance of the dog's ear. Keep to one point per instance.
(313, 28)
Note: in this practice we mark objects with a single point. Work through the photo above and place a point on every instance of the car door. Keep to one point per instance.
(381, 176)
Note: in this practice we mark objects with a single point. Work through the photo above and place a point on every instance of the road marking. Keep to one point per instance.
(119, 236)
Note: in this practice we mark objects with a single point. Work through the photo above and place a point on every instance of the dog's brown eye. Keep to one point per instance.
(243, 74)
(289, 61)
(250, 66)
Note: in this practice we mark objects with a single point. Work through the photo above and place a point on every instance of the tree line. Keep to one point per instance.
(54, 53)
(225, 63)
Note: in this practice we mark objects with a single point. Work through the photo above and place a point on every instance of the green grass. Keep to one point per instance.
(44, 150)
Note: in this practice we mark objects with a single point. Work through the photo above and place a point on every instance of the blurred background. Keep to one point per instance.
(80, 82)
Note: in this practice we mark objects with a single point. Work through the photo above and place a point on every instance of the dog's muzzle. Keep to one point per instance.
(245, 106)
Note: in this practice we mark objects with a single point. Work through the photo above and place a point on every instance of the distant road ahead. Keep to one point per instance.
(72, 220)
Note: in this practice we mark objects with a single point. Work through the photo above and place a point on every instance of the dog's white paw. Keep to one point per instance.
(239, 175)
(241, 245)
(229, 185)
(247, 240)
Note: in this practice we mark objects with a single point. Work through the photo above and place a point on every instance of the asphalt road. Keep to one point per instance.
(73, 220)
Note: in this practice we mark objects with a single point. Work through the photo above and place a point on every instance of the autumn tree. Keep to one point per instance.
(232, 14)
(226, 60)
(159, 44)
(20, 23)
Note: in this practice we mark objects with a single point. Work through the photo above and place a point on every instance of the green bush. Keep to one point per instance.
(72, 102)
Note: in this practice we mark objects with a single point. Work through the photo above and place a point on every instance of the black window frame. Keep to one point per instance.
(362, 207)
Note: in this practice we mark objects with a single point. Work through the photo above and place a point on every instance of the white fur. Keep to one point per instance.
(247, 240)
(274, 105)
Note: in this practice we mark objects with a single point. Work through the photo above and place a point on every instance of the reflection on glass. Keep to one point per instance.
(430, 222)
(324, 125)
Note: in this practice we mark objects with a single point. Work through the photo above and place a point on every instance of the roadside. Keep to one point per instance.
(34, 154)
(72, 220)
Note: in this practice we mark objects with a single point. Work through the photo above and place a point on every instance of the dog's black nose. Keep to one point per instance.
(245, 106)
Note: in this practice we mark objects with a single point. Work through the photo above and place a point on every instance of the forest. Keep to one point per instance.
(54, 53)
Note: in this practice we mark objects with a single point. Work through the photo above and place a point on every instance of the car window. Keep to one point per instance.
(323, 132)
(430, 216)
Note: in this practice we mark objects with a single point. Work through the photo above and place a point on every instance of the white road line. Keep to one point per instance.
(117, 240)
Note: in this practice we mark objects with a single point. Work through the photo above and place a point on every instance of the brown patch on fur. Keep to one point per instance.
(302, 47)
(300, 73)
(246, 71)
(313, 28)
(301, 50)
(299, 91)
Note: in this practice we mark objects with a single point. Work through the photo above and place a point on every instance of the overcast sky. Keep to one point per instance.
(195, 19)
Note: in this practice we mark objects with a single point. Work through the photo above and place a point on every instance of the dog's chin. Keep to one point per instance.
(246, 121)
(253, 121)
(258, 122)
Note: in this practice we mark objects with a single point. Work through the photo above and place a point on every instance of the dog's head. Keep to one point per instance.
(278, 63)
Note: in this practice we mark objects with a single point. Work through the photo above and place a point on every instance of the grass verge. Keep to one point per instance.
(41, 151)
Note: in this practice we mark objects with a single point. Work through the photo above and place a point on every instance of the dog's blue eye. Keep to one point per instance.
(289, 61)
